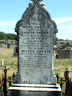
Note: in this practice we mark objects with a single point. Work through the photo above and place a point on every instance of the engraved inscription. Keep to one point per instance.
(35, 43)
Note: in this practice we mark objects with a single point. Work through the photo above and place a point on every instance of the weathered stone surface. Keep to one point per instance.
(34, 90)
(15, 54)
(36, 37)
(36, 31)
(22, 93)
(64, 54)
(28, 93)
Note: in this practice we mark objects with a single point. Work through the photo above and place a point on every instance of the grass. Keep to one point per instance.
(60, 66)
(9, 60)
(11, 63)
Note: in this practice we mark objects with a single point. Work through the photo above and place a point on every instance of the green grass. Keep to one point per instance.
(12, 57)
(63, 86)
(8, 68)
(56, 63)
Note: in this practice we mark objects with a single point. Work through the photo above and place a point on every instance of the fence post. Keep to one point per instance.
(57, 76)
(1, 87)
(2, 78)
(5, 82)
(61, 83)
(9, 81)
(70, 88)
(66, 73)
(13, 75)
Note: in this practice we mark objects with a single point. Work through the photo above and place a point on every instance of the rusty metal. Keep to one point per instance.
(70, 88)
(9, 80)
(66, 73)
(2, 92)
(57, 77)
(61, 81)
(1, 87)
(13, 75)
(67, 81)
(67, 86)
(5, 82)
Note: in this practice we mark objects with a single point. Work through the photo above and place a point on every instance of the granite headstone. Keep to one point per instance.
(64, 54)
(36, 37)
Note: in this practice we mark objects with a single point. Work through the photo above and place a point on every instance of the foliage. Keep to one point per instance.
(2, 35)
(67, 40)
(7, 36)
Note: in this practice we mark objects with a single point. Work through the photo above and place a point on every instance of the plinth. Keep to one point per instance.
(34, 90)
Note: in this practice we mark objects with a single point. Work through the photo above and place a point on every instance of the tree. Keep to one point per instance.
(7, 36)
(60, 39)
(2, 35)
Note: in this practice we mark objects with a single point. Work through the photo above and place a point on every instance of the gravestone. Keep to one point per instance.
(64, 54)
(2, 62)
(15, 54)
(35, 39)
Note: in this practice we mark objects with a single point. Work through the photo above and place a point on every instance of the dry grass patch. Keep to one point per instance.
(9, 61)
(61, 64)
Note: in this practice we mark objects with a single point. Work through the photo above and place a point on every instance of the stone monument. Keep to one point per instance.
(36, 37)
(64, 54)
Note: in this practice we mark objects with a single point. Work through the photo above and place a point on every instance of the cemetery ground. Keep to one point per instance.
(11, 63)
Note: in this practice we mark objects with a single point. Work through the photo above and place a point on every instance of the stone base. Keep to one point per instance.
(34, 90)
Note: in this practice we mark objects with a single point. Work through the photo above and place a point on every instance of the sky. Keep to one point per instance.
(60, 11)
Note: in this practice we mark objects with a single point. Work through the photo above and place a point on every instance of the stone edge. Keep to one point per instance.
(39, 88)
